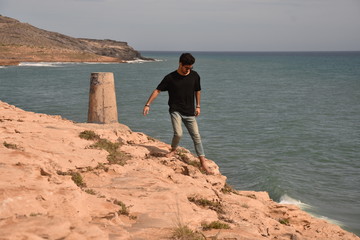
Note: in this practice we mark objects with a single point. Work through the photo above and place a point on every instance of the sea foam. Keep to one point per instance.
(41, 64)
(143, 61)
(285, 199)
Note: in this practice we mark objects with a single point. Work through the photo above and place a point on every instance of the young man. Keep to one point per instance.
(183, 86)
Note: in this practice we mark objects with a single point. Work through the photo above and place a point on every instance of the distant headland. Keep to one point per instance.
(22, 42)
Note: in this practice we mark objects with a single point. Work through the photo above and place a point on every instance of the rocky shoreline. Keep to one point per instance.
(66, 180)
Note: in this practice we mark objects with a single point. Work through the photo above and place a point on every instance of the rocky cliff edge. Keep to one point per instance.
(66, 180)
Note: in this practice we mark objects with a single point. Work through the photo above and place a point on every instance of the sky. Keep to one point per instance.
(200, 25)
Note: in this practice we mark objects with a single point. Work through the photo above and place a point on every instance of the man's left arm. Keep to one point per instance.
(197, 99)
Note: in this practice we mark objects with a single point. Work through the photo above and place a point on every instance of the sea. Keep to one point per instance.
(287, 123)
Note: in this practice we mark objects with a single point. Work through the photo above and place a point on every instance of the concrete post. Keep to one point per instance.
(102, 98)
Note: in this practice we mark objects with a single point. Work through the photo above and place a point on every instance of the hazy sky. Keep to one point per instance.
(202, 25)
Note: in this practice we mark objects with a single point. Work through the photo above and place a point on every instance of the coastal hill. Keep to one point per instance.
(66, 180)
(22, 42)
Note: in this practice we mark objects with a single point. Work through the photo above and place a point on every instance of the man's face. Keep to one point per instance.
(185, 69)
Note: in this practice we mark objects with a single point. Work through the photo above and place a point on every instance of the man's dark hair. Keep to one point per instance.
(187, 59)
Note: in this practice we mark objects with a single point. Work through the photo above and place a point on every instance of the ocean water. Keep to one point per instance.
(285, 123)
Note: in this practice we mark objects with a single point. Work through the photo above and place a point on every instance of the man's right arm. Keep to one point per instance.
(152, 97)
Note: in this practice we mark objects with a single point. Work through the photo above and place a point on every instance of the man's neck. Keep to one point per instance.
(182, 74)
(181, 71)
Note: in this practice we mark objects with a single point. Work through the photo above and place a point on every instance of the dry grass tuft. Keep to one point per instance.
(215, 225)
(115, 155)
(213, 205)
(183, 232)
(89, 135)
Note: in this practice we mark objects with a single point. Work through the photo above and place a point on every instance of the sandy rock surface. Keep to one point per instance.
(55, 184)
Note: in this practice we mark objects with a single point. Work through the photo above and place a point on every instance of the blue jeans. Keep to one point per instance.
(192, 127)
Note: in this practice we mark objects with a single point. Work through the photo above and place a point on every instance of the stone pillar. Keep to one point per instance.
(102, 98)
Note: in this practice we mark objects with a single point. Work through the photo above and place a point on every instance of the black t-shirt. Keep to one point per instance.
(181, 91)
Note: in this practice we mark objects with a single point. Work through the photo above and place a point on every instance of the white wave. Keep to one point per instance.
(41, 64)
(286, 199)
(59, 64)
(142, 61)
(159, 60)
(3, 67)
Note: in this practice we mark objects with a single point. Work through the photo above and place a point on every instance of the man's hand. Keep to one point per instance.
(197, 111)
(146, 110)
(152, 97)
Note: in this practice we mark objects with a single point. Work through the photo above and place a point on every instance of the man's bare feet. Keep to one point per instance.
(204, 166)
(171, 153)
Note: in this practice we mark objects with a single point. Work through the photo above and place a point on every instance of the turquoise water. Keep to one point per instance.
(285, 123)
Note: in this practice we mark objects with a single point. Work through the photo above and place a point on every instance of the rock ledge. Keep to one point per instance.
(55, 184)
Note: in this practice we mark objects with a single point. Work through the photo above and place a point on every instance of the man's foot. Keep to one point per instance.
(205, 167)
(171, 153)
(206, 171)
